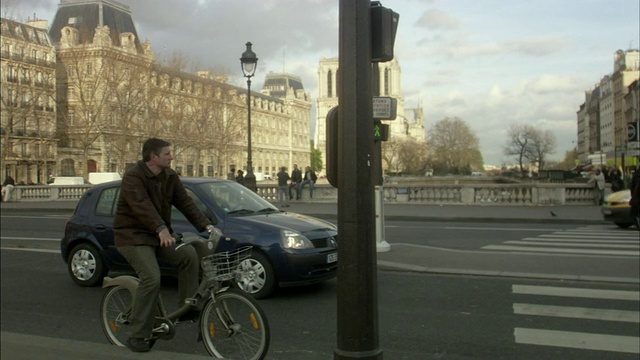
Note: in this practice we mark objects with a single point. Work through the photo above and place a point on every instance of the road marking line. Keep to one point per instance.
(577, 312)
(577, 340)
(32, 250)
(576, 292)
(597, 236)
(604, 241)
(28, 238)
(552, 250)
(533, 242)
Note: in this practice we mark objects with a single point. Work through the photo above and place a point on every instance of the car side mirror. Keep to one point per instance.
(211, 216)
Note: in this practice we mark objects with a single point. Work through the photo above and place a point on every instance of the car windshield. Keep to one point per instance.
(235, 199)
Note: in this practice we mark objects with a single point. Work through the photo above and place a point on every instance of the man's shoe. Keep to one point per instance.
(138, 345)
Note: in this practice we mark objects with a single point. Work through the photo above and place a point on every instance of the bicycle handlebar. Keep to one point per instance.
(187, 238)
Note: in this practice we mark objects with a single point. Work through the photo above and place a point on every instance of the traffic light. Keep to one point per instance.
(332, 146)
(384, 23)
(380, 131)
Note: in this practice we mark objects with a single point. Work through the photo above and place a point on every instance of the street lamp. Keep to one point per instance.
(249, 61)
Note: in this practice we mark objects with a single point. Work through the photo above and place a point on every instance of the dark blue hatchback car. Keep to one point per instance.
(288, 248)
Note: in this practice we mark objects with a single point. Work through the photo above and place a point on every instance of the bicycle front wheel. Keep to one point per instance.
(115, 309)
(235, 327)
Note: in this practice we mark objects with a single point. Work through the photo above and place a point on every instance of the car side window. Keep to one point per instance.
(176, 215)
(106, 205)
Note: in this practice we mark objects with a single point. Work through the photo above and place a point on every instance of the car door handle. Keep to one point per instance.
(100, 227)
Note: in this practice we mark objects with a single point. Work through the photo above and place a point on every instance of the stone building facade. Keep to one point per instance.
(602, 119)
(28, 140)
(111, 95)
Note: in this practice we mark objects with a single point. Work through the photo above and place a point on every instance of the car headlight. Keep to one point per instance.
(295, 240)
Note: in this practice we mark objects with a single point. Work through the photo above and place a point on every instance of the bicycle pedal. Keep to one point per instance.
(191, 301)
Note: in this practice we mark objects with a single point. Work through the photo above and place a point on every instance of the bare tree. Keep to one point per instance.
(126, 111)
(453, 148)
(82, 96)
(544, 143)
(413, 156)
(390, 152)
(520, 143)
(528, 143)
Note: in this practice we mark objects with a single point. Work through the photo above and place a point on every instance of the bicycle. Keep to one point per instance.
(232, 324)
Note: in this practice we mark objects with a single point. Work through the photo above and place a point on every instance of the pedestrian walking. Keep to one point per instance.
(7, 188)
(240, 177)
(231, 175)
(635, 197)
(283, 187)
(296, 179)
(599, 182)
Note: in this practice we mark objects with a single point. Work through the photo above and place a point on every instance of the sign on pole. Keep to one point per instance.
(384, 108)
(632, 132)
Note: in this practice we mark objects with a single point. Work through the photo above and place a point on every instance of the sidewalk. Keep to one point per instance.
(403, 212)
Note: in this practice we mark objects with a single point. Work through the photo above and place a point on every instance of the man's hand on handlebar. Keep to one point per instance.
(214, 231)
(166, 240)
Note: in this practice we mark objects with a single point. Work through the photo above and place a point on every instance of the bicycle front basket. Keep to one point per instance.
(222, 266)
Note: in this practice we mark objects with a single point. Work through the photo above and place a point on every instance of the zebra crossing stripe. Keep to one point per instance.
(576, 292)
(563, 243)
(564, 251)
(577, 340)
(577, 312)
(601, 241)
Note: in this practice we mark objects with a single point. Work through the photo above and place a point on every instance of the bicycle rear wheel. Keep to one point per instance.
(114, 314)
(235, 327)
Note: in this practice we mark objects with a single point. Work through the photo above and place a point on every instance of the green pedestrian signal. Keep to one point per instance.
(380, 131)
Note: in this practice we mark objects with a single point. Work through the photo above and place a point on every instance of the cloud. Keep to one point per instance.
(549, 84)
(437, 20)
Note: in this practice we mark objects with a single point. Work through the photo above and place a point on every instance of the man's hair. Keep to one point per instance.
(153, 146)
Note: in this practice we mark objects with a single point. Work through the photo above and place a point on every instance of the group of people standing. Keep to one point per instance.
(297, 180)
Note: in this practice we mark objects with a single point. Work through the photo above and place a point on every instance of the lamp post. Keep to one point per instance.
(249, 61)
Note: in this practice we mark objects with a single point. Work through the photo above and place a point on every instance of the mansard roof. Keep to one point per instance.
(278, 84)
(20, 31)
(87, 15)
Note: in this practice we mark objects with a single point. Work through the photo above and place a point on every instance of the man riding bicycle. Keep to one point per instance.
(142, 228)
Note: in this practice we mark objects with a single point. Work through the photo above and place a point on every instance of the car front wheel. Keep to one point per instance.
(256, 276)
(86, 266)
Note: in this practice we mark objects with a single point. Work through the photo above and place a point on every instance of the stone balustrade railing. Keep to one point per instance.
(462, 194)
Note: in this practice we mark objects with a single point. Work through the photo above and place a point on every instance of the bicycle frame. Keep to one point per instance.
(231, 323)
(206, 289)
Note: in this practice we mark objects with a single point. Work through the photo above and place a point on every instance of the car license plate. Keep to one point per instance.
(331, 258)
(606, 212)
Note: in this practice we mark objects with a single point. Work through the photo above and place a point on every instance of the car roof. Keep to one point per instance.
(185, 180)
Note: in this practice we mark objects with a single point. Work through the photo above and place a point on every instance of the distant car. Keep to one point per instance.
(288, 248)
(68, 180)
(616, 208)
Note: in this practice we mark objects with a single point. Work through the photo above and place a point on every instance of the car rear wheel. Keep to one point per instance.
(256, 276)
(86, 266)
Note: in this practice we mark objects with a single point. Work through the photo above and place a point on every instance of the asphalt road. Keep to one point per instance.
(422, 315)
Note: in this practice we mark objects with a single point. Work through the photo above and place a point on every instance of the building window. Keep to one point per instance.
(329, 84)
(387, 79)
(67, 167)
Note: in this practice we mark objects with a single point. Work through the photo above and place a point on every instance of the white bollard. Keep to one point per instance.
(381, 244)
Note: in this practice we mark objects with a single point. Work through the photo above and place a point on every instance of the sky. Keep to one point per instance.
(491, 63)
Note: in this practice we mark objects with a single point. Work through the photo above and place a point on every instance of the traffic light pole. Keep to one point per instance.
(357, 293)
